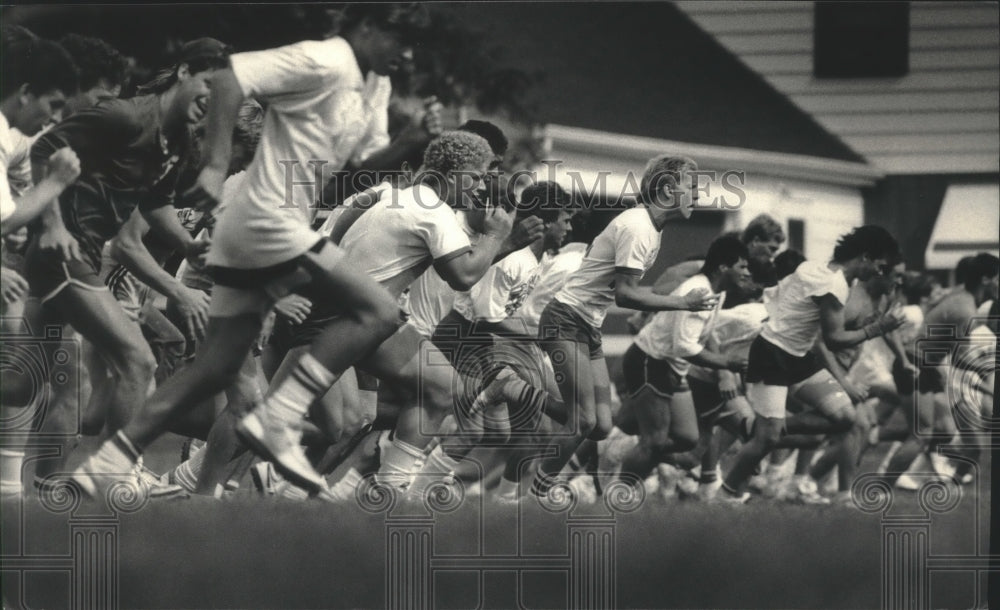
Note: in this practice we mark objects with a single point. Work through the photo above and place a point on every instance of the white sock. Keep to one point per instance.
(308, 381)
(508, 488)
(397, 464)
(438, 465)
(186, 474)
(345, 487)
(11, 463)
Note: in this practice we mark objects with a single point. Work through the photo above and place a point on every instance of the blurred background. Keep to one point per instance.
(827, 115)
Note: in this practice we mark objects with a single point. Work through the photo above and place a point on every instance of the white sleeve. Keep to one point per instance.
(632, 248)
(377, 136)
(440, 230)
(292, 69)
(7, 206)
(688, 326)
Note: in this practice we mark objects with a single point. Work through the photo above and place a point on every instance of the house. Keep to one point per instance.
(921, 106)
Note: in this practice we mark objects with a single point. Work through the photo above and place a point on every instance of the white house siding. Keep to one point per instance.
(784, 186)
(940, 118)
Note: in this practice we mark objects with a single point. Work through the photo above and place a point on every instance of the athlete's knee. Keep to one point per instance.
(685, 440)
(843, 419)
(586, 422)
(381, 316)
(135, 360)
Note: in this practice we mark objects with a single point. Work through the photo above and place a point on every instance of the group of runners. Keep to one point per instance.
(441, 326)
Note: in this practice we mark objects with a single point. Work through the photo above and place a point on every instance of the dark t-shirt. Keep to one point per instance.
(122, 162)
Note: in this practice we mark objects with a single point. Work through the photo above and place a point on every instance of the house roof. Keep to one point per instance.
(646, 69)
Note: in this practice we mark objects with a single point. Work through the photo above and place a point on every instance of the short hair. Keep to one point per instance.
(763, 228)
(454, 150)
(787, 262)
(96, 60)
(963, 268)
(546, 200)
(724, 250)
(493, 134)
(983, 265)
(870, 240)
(663, 171)
(410, 19)
(41, 64)
(917, 286)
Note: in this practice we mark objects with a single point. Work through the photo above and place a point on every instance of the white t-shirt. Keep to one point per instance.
(19, 162)
(502, 290)
(629, 244)
(732, 333)
(794, 317)
(404, 232)
(431, 298)
(331, 221)
(674, 335)
(316, 111)
(7, 205)
(552, 275)
(193, 277)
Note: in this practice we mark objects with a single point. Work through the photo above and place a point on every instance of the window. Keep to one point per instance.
(861, 39)
(797, 234)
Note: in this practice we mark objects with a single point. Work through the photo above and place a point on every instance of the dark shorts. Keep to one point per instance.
(288, 335)
(640, 371)
(771, 365)
(48, 275)
(252, 279)
(708, 402)
(470, 352)
(560, 321)
(928, 380)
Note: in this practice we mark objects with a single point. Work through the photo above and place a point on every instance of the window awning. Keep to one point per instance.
(968, 223)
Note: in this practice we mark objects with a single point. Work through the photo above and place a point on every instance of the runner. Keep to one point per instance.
(263, 247)
(806, 305)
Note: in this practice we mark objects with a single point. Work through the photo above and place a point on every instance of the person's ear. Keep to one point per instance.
(183, 72)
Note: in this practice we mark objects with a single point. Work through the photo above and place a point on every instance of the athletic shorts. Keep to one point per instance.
(641, 371)
(928, 380)
(562, 322)
(470, 352)
(771, 365)
(48, 275)
(130, 293)
(709, 403)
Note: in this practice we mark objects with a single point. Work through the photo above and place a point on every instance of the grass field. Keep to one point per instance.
(265, 553)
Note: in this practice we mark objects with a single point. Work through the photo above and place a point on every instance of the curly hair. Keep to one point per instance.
(663, 171)
(870, 240)
(455, 150)
(96, 60)
(411, 19)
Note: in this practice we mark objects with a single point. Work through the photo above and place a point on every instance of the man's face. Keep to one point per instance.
(764, 250)
(191, 101)
(736, 276)
(467, 187)
(871, 268)
(388, 51)
(686, 194)
(991, 286)
(40, 110)
(556, 231)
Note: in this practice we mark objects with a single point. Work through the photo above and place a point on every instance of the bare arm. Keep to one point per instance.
(629, 294)
(836, 337)
(463, 271)
(127, 248)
